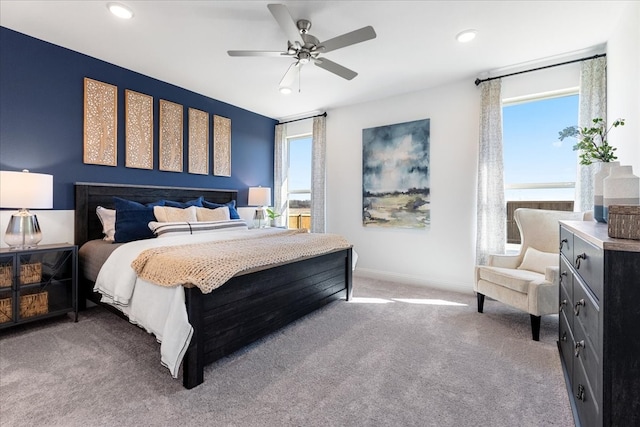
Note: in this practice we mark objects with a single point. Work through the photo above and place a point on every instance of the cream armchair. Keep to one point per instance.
(528, 281)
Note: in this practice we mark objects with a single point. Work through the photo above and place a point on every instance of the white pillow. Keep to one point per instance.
(170, 214)
(535, 260)
(168, 229)
(217, 214)
(108, 219)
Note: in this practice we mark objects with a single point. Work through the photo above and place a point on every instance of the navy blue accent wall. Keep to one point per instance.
(41, 122)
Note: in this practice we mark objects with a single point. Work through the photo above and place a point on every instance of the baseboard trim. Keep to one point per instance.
(412, 280)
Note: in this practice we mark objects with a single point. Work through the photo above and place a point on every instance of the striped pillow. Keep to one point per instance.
(165, 229)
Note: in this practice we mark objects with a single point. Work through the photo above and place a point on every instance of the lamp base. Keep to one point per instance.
(259, 218)
(23, 231)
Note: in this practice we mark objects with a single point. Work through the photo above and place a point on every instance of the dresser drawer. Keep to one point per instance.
(566, 301)
(588, 261)
(586, 313)
(566, 343)
(586, 353)
(566, 243)
(585, 399)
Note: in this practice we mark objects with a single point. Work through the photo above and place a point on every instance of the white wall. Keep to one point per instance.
(442, 256)
(623, 86)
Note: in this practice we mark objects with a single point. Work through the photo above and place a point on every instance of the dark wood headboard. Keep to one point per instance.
(91, 195)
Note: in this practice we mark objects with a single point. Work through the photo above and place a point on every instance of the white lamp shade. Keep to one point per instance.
(259, 196)
(20, 190)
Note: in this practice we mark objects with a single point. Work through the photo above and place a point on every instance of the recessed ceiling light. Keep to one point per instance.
(466, 36)
(120, 10)
(285, 90)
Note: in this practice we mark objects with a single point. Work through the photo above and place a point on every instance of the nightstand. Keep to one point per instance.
(38, 283)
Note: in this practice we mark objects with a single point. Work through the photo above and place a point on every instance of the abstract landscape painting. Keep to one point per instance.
(395, 175)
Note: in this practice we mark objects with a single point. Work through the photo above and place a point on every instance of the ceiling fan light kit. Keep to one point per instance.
(304, 48)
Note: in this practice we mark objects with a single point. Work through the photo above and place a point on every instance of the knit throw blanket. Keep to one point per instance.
(209, 265)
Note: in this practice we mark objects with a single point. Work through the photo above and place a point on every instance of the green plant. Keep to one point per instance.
(272, 214)
(592, 141)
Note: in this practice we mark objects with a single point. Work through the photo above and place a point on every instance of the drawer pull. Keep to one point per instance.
(562, 242)
(576, 308)
(563, 274)
(564, 337)
(563, 303)
(578, 258)
(580, 395)
(578, 345)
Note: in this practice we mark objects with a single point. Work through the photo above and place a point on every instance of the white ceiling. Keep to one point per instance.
(185, 43)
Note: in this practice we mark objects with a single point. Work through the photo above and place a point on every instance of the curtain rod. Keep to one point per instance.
(305, 118)
(478, 81)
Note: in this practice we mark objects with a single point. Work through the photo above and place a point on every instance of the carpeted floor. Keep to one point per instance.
(398, 355)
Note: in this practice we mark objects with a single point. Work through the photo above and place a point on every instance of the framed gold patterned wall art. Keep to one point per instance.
(100, 123)
(138, 130)
(198, 142)
(170, 136)
(221, 146)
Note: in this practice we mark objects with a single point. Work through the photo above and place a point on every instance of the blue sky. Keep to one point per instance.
(532, 151)
(299, 165)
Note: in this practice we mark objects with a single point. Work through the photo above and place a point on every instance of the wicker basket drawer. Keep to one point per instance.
(29, 273)
(6, 310)
(34, 304)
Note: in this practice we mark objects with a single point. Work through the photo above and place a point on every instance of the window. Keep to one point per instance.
(299, 195)
(537, 166)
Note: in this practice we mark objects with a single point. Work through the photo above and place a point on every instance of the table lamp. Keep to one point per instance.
(261, 197)
(25, 190)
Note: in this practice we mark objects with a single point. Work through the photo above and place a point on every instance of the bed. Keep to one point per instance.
(248, 306)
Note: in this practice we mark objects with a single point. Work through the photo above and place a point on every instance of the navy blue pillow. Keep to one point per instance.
(196, 202)
(132, 220)
(233, 213)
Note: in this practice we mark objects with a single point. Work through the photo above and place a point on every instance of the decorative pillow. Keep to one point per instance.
(233, 213)
(169, 214)
(108, 219)
(132, 219)
(195, 202)
(535, 260)
(167, 229)
(217, 214)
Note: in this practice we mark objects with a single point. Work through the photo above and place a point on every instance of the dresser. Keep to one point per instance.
(599, 332)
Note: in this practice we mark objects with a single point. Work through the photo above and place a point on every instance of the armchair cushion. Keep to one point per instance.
(538, 261)
(517, 280)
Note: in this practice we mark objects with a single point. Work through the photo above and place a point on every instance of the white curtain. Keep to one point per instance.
(318, 150)
(492, 217)
(593, 103)
(281, 173)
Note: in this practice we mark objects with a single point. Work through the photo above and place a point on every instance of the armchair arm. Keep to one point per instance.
(504, 261)
(552, 275)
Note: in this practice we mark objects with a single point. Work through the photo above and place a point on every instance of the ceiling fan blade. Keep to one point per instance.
(334, 68)
(291, 74)
(286, 22)
(256, 53)
(357, 36)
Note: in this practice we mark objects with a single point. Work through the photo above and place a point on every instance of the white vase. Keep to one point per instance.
(598, 184)
(621, 187)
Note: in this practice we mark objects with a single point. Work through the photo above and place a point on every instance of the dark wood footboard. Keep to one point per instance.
(250, 306)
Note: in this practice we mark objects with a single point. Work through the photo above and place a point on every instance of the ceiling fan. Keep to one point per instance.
(305, 48)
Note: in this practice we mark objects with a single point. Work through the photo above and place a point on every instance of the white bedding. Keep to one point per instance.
(159, 310)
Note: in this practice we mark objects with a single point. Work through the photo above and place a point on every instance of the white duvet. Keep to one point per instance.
(159, 310)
